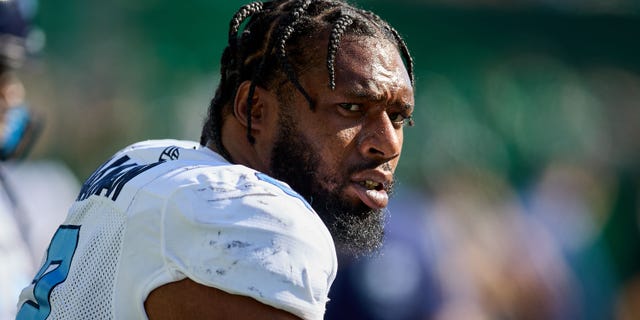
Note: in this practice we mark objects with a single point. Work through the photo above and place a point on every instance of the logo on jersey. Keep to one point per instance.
(111, 177)
(169, 153)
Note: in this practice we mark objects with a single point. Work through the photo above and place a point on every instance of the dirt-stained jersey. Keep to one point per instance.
(160, 211)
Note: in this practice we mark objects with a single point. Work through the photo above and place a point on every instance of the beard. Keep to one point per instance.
(356, 229)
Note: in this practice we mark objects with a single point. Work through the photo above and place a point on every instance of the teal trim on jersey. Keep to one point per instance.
(284, 188)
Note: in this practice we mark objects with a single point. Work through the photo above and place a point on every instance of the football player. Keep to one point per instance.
(298, 150)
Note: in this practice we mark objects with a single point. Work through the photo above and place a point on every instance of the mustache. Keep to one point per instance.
(370, 165)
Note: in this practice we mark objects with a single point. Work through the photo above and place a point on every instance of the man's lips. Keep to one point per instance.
(371, 188)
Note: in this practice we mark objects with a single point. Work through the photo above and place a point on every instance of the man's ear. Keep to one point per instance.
(260, 104)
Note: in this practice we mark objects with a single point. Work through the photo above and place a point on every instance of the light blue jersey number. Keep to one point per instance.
(53, 272)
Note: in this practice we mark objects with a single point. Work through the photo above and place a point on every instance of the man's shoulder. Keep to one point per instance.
(184, 171)
(132, 169)
(198, 183)
(236, 229)
(204, 188)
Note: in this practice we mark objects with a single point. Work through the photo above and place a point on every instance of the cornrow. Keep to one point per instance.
(286, 33)
(229, 72)
(240, 16)
(269, 49)
(339, 28)
(234, 26)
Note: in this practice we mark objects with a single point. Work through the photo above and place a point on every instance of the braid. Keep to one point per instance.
(405, 54)
(240, 16)
(285, 34)
(234, 26)
(339, 28)
(229, 72)
(271, 48)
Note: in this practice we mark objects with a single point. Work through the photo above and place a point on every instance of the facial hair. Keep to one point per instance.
(357, 230)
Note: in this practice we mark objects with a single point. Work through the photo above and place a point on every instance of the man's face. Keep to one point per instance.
(341, 156)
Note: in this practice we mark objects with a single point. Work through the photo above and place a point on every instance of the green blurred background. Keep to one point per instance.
(529, 102)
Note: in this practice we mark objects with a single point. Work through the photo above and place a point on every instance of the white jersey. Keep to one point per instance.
(162, 211)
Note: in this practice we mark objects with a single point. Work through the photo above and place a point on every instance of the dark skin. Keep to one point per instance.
(186, 299)
(360, 121)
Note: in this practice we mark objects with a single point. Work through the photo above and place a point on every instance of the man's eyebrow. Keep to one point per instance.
(363, 93)
(406, 106)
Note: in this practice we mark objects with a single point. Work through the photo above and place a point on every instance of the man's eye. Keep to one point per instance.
(401, 119)
(351, 107)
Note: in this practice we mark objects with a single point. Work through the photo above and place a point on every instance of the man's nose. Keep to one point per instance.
(379, 138)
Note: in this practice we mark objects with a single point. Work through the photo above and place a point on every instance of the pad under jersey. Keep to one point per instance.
(160, 211)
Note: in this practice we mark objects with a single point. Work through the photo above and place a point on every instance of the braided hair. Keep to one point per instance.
(270, 49)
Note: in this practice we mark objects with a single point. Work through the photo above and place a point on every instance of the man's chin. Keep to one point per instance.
(357, 231)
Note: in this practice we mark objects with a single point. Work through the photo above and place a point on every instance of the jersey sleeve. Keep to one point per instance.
(248, 235)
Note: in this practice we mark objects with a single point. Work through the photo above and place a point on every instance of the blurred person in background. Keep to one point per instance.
(29, 208)
(465, 250)
(16, 133)
(18, 126)
(399, 283)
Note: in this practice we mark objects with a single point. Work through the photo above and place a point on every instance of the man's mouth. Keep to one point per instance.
(371, 192)
(372, 185)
